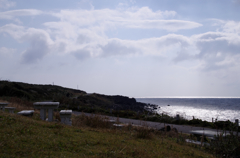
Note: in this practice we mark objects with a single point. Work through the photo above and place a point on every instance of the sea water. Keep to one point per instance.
(207, 109)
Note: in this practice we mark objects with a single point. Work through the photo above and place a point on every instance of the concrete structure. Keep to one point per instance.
(26, 112)
(109, 121)
(118, 126)
(10, 109)
(197, 142)
(207, 133)
(43, 106)
(65, 116)
(2, 106)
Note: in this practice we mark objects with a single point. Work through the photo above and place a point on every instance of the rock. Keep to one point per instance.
(167, 128)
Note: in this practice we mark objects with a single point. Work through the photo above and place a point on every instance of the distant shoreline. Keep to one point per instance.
(186, 97)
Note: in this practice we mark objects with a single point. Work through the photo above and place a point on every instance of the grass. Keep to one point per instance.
(29, 137)
(94, 136)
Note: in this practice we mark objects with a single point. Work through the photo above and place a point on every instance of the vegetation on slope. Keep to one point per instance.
(69, 98)
(27, 137)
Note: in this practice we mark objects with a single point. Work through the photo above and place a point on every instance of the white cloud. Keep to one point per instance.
(231, 27)
(15, 31)
(5, 4)
(101, 37)
(143, 18)
(22, 12)
(165, 46)
(40, 43)
(215, 50)
(82, 33)
(82, 54)
(39, 40)
(6, 51)
(117, 47)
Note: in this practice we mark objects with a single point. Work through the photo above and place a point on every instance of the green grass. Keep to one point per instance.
(27, 137)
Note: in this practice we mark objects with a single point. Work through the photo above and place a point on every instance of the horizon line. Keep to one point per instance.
(190, 97)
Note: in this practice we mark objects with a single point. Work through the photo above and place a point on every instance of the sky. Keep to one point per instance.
(135, 48)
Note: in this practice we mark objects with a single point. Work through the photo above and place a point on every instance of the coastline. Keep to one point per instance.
(208, 109)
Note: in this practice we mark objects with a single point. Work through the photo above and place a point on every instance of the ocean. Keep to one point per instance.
(221, 109)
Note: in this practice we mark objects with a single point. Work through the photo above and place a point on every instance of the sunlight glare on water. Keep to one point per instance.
(204, 114)
(221, 109)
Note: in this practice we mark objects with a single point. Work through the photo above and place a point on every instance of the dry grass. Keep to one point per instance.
(19, 104)
(144, 133)
(93, 121)
(33, 138)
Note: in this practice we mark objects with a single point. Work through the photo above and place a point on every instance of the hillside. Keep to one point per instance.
(30, 137)
(69, 98)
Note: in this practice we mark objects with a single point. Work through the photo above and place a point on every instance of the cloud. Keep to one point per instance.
(82, 54)
(4, 50)
(5, 4)
(169, 25)
(16, 31)
(214, 50)
(143, 18)
(82, 33)
(118, 47)
(39, 40)
(231, 27)
(16, 13)
(218, 52)
(39, 46)
(164, 46)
